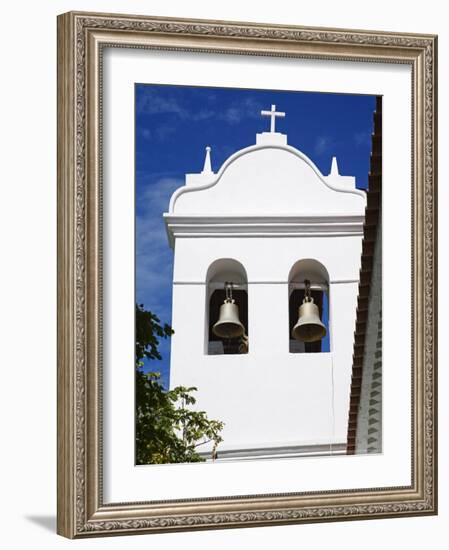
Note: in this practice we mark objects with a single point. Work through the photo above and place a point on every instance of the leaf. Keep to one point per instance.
(167, 430)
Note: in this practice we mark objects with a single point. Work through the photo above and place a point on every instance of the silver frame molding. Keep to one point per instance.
(81, 37)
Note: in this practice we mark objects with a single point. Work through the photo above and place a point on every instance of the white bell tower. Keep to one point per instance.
(267, 221)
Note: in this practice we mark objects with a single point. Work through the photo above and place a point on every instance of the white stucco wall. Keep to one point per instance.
(252, 393)
(267, 208)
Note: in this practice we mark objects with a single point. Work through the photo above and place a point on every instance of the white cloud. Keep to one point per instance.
(159, 102)
(238, 110)
(154, 102)
(156, 193)
(323, 144)
(362, 138)
(154, 257)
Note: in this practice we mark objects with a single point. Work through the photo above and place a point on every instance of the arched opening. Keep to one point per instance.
(308, 278)
(227, 282)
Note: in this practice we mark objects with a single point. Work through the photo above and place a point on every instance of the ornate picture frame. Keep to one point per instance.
(82, 40)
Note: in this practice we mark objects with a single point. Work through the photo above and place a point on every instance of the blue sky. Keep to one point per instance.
(174, 124)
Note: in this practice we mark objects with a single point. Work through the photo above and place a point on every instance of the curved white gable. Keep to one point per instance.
(267, 180)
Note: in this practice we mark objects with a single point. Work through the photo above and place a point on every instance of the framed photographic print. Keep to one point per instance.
(247, 274)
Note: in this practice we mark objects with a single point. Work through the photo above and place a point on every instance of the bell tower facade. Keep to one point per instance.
(265, 233)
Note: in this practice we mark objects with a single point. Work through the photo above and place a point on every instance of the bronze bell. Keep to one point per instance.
(309, 327)
(228, 324)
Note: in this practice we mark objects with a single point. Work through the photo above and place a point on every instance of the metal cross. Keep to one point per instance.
(273, 114)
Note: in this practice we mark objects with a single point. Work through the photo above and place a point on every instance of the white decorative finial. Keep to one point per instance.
(207, 169)
(334, 167)
(273, 114)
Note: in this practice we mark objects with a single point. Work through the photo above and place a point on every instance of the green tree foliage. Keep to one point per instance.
(168, 430)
